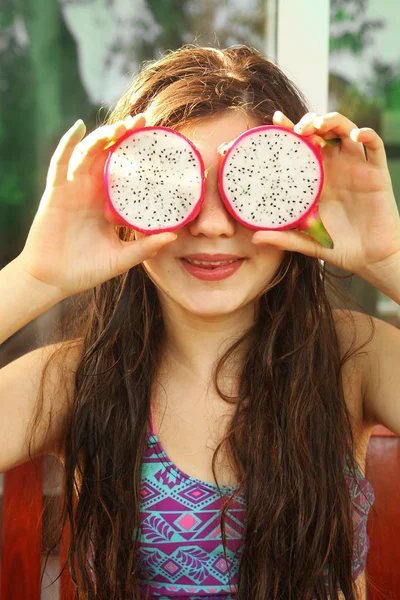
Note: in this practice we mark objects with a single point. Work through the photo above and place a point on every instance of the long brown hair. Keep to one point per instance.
(290, 397)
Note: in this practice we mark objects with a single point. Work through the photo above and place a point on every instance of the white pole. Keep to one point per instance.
(297, 39)
(303, 47)
(271, 26)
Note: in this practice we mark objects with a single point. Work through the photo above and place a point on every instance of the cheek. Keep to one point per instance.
(153, 266)
(158, 267)
(268, 265)
(269, 258)
(160, 270)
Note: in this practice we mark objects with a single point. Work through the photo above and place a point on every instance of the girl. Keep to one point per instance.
(212, 434)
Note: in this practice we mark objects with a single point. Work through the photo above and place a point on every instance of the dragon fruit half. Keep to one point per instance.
(272, 178)
(154, 179)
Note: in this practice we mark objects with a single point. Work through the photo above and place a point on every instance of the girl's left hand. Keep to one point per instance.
(357, 204)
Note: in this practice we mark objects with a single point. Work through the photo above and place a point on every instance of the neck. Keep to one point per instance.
(194, 344)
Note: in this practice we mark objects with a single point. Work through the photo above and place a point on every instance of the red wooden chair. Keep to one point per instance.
(383, 471)
(21, 531)
(21, 538)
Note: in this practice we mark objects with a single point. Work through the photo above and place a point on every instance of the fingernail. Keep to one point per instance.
(77, 125)
(110, 144)
(264, 237)
(318, 122)
(129, 121)
(166, 237)
(256, 239)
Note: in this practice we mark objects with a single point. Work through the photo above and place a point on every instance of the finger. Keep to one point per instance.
(83, 155)
(305, 122)
(335, 122)
(280, 119)
(306, 126)
(133, 253)
(376, 154)
(132, 123)
(334, 125)
(60, 160)
(103, 137)
(293, 241)
(96, 166)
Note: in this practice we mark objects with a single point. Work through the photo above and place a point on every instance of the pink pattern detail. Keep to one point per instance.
(187, 521)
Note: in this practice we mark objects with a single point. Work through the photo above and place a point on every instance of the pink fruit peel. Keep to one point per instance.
(271, 179)
(154, 179)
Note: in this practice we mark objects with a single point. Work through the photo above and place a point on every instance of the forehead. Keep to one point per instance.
(210, 132)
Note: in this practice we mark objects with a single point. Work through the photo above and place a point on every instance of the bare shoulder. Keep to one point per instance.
(21, 405)
(353, 328)
(350, 337)
(377, 364)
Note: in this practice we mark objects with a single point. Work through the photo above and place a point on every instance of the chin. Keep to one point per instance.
(204, 306)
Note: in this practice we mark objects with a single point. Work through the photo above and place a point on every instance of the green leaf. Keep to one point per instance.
(6, 18)
(341, 16)
(10, 192)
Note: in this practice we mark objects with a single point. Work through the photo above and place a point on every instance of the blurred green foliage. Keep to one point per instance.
(40, 95)
(356, 38)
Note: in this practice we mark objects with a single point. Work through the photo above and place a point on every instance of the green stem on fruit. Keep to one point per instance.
(317, 231)
(331, 142)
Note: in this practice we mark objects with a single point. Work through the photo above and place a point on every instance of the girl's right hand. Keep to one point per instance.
(71, 245)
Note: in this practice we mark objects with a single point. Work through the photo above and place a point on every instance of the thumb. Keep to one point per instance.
(134, 252)
(293, 241)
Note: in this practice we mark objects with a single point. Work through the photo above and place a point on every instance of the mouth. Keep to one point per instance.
(211, 270)
(211, 264)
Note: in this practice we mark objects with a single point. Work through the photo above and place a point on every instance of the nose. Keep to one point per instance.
(213, 219)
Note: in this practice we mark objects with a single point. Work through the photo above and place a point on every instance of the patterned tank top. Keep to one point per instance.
(181, 548)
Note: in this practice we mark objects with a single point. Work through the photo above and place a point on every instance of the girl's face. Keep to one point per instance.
(214, 231)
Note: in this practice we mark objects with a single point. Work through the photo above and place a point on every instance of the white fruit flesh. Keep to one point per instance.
(154, 179)
(270, 178)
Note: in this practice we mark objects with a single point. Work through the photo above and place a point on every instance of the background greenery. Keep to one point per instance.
(43, 88)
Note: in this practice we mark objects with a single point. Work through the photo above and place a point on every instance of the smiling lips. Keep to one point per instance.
(211, 267)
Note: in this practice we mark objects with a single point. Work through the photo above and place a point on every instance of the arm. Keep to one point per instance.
(382, 366)
(381, 402)
(71, 248)
(23, 298)
(385, 276)
(20, 381)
